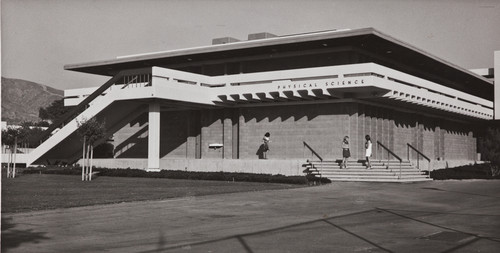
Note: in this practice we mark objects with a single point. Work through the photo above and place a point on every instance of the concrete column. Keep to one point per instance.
(353, 129)
(496, 73)
(437, 140)
(154, 137)
(390, 129)
(361, 130)
(236, 133)
(227, 133)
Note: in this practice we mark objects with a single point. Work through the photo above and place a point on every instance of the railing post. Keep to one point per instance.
(429, 169)
(317, 155)
(418, 158)
(320, 171)
(304, 151)
(418, 161)
(408, 152)
(388, 156)
(400, 169)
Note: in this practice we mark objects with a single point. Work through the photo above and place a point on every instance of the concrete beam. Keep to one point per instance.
(264, 96)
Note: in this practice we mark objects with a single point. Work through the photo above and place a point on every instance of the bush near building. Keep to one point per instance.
(476, 171)
(489, 145)
(178, 174)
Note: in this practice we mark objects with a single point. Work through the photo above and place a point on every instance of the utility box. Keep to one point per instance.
(224, 40)
(262, 35)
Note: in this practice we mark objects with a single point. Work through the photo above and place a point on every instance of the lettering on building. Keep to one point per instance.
(315, 85)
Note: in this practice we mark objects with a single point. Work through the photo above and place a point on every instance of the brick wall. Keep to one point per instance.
(322, 126)
(405, 131)
(428, 128)
(459, 142)
(212, 132)
(187, 134)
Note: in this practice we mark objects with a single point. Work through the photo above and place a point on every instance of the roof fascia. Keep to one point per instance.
(287, 39)
(420, 51)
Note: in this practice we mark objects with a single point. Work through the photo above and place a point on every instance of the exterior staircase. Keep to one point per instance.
(381, 171)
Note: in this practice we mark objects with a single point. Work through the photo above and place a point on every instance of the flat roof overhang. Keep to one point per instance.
(395, 53)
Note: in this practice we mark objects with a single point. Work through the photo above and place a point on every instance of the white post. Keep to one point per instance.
(87, 167)
(83, 159)
(91, 157)
(154, 137)
(14, 163)
(9, 162)
(496, 73)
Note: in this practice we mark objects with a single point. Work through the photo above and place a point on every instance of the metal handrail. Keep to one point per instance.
(319, 157)
(408, 146)
(312, 150)
(393, 154)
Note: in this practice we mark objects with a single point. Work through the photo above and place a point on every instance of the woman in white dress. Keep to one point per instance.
(368, 147)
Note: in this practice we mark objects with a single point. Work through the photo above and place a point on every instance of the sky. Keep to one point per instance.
(39, 37)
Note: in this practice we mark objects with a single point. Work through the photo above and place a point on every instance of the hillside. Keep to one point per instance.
(22, 99)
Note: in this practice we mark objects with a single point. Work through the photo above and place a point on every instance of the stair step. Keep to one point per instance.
(381, 180)
(358, 164)
(374, 176)
(363, 168)
(409, 173)
(371, 175)
(382, 171)
(359, 161)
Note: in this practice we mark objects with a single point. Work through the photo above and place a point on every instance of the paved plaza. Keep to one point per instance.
(437, 216)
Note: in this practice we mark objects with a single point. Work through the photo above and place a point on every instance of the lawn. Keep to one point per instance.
(30, 192)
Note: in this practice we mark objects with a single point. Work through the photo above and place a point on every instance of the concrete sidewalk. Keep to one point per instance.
(438, 216)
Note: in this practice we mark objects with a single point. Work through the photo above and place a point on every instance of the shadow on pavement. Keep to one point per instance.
(445, 228)
(467, 193)
(347, 230)
(12, 238)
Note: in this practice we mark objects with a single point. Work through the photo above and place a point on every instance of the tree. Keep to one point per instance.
(54, 111)
(490, 149)
(90, 131)
(10, 139)
(29, 133)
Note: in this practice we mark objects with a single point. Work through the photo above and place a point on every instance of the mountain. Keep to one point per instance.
(22, 99)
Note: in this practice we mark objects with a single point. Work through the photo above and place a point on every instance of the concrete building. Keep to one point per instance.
(207, 108)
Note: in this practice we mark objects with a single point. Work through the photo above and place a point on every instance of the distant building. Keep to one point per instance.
(207, 108)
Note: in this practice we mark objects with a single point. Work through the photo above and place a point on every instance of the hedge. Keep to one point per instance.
(179, 174)
(476, 171)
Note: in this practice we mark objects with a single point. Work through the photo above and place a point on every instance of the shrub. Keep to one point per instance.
(314, 179)
(488, 146)
(179, 174)
(477, 171)
(53, 170)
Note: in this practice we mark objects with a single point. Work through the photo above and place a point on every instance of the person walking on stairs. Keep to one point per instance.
(368, 153)
(346, 153)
